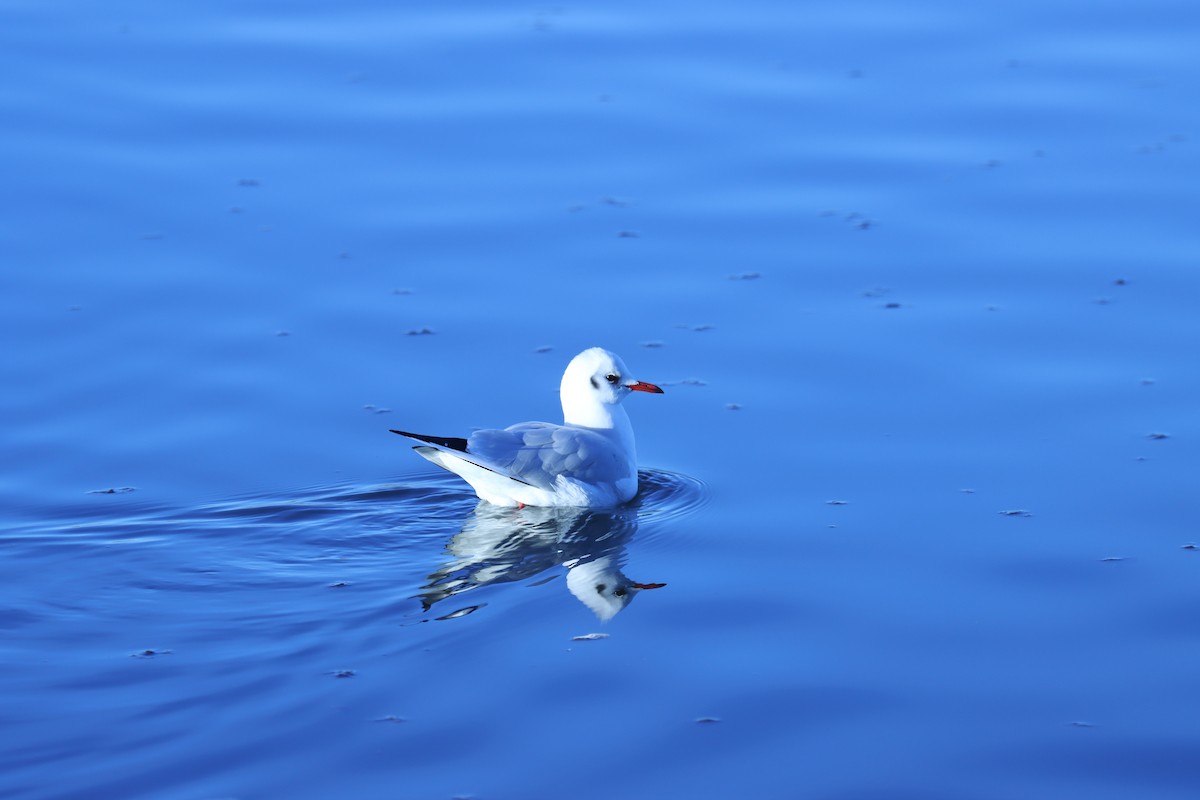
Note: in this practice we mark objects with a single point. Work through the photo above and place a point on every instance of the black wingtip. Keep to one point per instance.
(450, 442)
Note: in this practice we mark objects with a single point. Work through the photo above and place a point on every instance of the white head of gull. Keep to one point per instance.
(588, 461)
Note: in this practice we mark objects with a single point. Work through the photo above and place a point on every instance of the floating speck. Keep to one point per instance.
(114, 490)
(967, 491)
(892, 305)
(402, 291)
(152, 237)
(390, 718)
(344, 256)
(419, 332)
(150, 653)
(236, 210)
(627, 235)
(991, 163)
(615, 202)
(1158, 436)
(745, 276)
(707, 720)
(1101, 301)
(589, 637)
(1015, 512)
(703, 328)
(344, 673)
(376, 409)
(462, 612)
(837, 502)
(1189, 547)
(733, 406)
(1078, 723)
(652, 345)
(875, 291)
(247, 183)
(1120, 282)
(338, 585)
(283, 333)
(543, 349)
(692, 382)
(1146, 381)
(1113, 558)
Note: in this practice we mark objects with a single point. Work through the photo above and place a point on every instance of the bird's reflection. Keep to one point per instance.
(499, 545)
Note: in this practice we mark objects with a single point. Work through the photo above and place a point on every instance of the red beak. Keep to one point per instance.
(647, 585)
(642, 386)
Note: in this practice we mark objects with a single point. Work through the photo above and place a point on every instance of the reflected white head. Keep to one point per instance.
(601, 586)
(595, 382)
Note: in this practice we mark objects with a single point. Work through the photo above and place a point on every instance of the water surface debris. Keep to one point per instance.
(114, 490)
(589, 637)
(1015, 512)
(150, 653)
(462, 612)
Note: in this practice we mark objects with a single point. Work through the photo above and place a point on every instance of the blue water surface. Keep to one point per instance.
(920, 280)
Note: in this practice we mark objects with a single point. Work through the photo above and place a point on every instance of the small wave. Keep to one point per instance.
(664, 495)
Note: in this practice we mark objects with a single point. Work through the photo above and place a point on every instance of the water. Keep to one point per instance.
(900, 268)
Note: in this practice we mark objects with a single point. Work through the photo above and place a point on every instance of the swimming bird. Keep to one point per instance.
(589, 461)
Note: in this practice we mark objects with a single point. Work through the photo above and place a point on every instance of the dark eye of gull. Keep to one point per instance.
(611, 378)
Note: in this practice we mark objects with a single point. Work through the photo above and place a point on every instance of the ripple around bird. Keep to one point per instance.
(382, 540)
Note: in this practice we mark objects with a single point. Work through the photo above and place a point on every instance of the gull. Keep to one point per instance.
(587, 462)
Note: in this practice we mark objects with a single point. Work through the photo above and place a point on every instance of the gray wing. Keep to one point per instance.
(538, 452)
